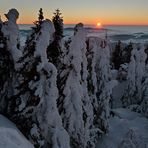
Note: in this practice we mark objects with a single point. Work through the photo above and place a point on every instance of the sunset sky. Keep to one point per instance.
(116, 12)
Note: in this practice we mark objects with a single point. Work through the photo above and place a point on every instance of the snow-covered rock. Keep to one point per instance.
(10, 136)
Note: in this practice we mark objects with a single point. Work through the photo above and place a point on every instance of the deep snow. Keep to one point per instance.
(127, 130)
(10, 136)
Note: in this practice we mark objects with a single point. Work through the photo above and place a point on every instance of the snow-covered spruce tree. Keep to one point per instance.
(6, 72)
(93, 44)
(54, 49)
(74, 104)
(105, 86)
(99, 84)
(88, 114)
(136, 70)
(10, 53)
(144, 103)
(34, 107)
(11, 32)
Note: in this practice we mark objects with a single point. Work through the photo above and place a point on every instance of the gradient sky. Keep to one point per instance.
(126, 12)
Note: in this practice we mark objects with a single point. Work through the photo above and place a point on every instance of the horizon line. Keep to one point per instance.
(94, 24)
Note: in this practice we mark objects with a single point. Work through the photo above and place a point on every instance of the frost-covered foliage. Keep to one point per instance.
(33, 107)
(136, 71)
(6, 72)
(88, 113)
(11, 32)
(59, 93)
(123, 72)
(99, 84)
(105, 85)
(92, 54)
(74, 103)
(10, 54)
(144, 104)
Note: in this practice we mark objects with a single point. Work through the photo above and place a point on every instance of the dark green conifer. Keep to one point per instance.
(39, 21)
(117, 55)
(54, 49)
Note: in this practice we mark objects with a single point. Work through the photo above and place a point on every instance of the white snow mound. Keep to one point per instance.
(10, 136)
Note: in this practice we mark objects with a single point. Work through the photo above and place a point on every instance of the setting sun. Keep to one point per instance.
(99, 24)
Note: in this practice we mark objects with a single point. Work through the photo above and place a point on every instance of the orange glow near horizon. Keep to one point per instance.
(26, 18)
(30, 20)
(106, 12)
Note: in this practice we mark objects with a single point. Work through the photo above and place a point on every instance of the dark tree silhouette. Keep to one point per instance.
(54, 49)
(58, 24)
(126, 54)
(117, 55)
(41, 17)
(39, 21)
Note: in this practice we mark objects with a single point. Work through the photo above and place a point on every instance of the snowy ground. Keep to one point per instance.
(127, 130)
(118, 93)
(10, 136)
